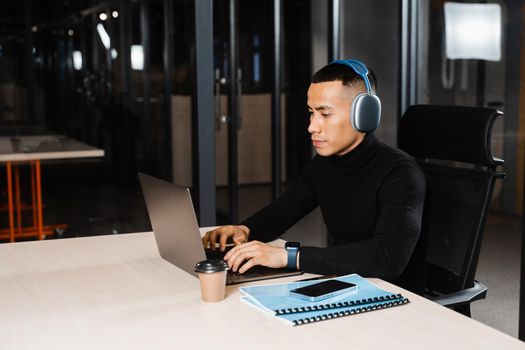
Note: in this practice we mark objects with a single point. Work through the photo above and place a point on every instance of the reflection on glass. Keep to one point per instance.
(256, 60)
(473, 31)
(137, 57)
(104, 37)
(77, 60)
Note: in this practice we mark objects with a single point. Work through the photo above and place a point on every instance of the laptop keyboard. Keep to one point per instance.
(216, 254)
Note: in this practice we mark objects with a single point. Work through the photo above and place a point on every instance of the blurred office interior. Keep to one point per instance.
(126, 77)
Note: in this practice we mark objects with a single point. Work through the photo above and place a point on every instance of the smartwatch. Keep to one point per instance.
(292, 248)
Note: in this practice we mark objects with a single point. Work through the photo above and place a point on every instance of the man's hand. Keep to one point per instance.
(239, 235)
(256, 253)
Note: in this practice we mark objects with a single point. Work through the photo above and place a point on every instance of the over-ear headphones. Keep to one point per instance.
(365, 113)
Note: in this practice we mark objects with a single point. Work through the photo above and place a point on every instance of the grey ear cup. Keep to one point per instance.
(365, 114)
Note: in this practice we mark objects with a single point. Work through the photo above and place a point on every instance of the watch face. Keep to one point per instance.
(292, 245)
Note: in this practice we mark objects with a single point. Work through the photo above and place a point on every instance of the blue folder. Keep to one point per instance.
(276, 300)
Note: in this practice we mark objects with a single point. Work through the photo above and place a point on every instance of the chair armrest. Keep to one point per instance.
(465, 296)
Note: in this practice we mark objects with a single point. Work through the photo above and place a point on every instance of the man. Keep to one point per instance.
(371, 195)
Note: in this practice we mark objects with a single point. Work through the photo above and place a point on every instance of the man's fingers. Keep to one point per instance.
(248, 265)
(220, 236)
(235, 250)
(222, 243)
(213, 238)
(241, 254)
(239, 238)
(235, 260)
(243, 257)
(206, 238)
(242, 247)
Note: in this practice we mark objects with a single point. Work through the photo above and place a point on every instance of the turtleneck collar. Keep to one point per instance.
(359, 155)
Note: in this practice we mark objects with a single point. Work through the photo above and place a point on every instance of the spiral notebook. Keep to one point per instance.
(276, 300)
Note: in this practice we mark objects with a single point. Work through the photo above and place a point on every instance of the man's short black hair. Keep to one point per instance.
(344, 74)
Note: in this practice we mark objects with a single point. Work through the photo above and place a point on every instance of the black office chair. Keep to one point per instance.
(452, 146)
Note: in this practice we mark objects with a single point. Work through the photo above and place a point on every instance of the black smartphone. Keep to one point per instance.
(324, 290)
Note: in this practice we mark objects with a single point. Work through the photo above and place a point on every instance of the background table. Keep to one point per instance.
(31, 150)
(115, 292)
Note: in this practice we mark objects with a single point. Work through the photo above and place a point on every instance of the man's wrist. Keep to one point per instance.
(297, 261)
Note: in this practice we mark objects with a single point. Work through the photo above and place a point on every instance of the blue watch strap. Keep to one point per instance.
(292, 257)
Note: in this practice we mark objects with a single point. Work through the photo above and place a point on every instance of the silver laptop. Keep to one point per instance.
(177, 232)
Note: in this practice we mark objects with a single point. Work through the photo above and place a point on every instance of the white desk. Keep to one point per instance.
(42, 147)
(115, 292)
(31, 150)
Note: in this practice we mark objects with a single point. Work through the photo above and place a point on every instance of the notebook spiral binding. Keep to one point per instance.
(338, 305)
(337, 314)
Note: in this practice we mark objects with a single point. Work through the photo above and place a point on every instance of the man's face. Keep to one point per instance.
(330, 128)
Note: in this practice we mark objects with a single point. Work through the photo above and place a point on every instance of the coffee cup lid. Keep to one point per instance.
(209, 266)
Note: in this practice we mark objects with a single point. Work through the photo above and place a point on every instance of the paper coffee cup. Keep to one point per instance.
(212, 277)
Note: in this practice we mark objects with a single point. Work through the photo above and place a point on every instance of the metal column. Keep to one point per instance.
(204, 157)
(109, 58)
(146, 80)
(125, 51)
(511, 108)
(409, 44)
(29, 69)
(276, 101)
(334, 30)
(234, 115)
(168, 62)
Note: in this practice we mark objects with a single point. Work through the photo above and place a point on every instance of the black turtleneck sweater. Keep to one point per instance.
(371, 200)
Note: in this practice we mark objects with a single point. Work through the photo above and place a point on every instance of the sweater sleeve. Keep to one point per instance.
(387, 252)
(273, 220)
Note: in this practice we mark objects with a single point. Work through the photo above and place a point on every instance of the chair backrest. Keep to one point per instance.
(452, 146)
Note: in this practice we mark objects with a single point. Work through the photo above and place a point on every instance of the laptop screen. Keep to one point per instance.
(174, 222)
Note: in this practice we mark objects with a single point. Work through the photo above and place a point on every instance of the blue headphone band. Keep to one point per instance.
(359, 68)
